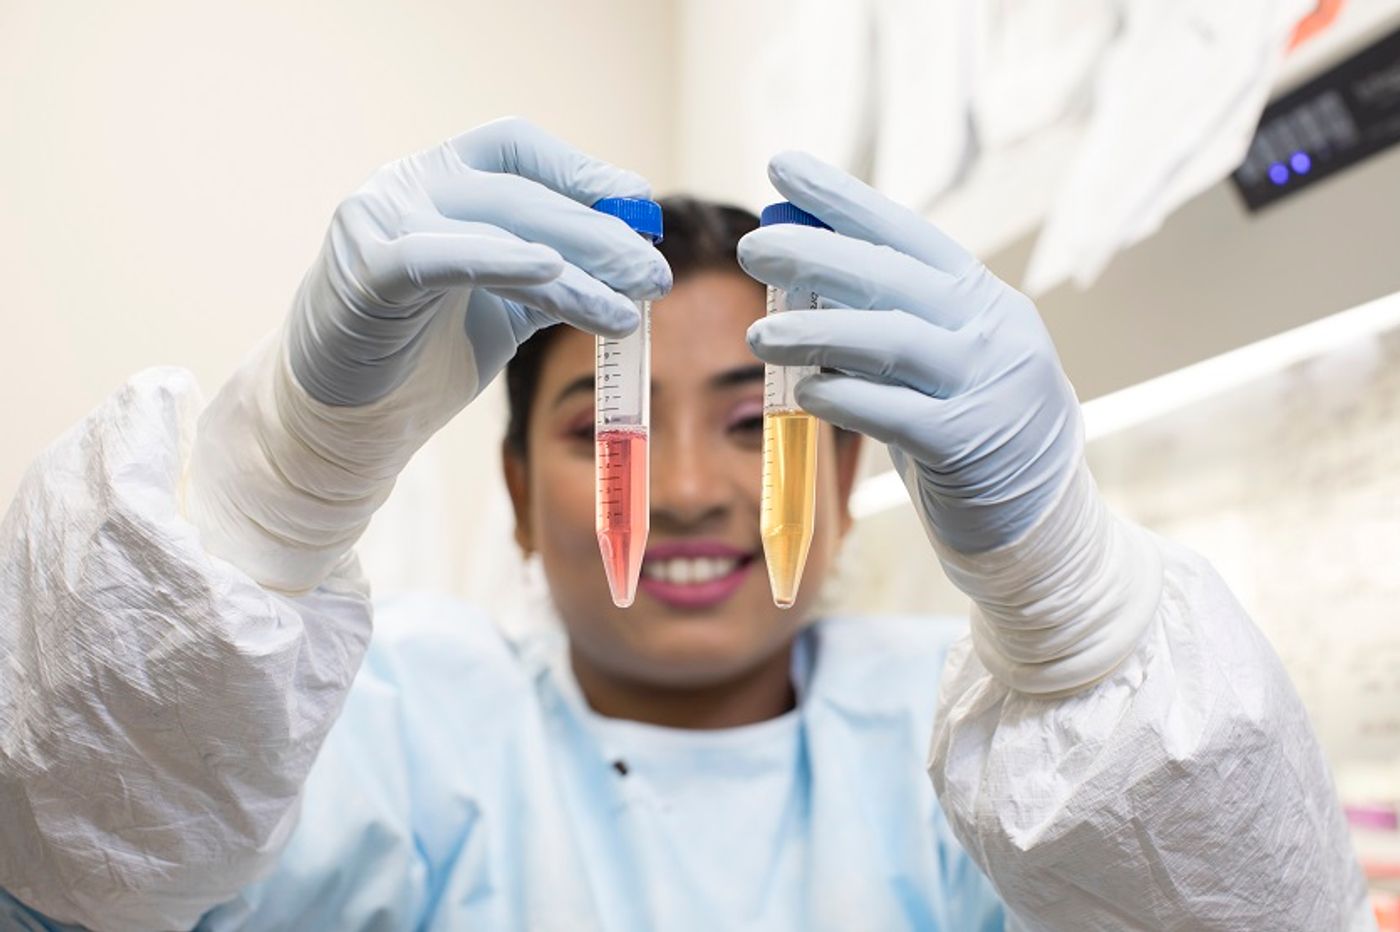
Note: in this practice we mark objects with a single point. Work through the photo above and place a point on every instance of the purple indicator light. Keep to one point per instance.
(1300, 162)
(1278, 173)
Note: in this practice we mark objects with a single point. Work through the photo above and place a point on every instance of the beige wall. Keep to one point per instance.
(168, 168)
(716, 45)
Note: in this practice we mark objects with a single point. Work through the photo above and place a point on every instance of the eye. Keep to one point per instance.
(745, 428)
(577, 428)
(744, 425)
(749, 424)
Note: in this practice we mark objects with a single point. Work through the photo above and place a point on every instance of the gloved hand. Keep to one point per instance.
(938, 358)
(430, 277)
(954, 370)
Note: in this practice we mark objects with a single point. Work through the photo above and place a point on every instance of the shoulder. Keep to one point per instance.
(438, 634)
(438, 659)
(876, 635)
(894, 660)
(441, 695)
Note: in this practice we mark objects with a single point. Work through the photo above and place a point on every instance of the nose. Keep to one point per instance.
(689, 491)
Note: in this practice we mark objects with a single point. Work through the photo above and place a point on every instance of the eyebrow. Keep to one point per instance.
(583, 383)
(730, 378)
(743, 375)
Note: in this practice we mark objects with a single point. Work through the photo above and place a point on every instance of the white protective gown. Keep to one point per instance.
(160, 716)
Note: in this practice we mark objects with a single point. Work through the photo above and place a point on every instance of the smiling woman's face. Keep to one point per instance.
(704, 612)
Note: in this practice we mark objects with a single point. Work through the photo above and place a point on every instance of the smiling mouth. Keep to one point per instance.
(695, 581)
(689, 571)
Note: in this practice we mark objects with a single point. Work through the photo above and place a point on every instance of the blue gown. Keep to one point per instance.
(467, 786)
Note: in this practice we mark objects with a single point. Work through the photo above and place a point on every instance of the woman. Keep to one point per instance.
(1116, 745)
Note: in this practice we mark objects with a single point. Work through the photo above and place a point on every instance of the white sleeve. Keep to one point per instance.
(1183, 789)
(159, 711)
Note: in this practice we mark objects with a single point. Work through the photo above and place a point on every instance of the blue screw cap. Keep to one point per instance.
(640, 214)
(788, 212)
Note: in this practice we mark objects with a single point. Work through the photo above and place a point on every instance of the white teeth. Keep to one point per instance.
(687, 571)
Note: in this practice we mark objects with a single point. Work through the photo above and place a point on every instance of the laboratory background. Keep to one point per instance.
(1203, 198)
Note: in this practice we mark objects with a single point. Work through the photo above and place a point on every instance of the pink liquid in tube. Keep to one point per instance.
(622, 426)
(624, 508)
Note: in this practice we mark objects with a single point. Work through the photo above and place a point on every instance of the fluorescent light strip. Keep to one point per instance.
(1137, 404)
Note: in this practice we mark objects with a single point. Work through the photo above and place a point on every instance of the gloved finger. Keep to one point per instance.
(572, 296)
(853, 272)
(518, 147)
(881, 412)
(404, 268)
(576, 298)
(887, 346)
(852, 207)
(600, 244)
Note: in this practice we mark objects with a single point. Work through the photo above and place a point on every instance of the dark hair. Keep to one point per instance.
(701, 236)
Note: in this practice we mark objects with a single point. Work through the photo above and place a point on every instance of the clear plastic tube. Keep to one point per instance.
(622, 434)
(787, 515)
(622, 429)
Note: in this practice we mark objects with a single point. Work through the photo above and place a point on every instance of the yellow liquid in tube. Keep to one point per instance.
(789, 499)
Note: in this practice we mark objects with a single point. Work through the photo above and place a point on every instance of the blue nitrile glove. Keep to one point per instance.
(935, 356)
(495, 227)
(430, 277)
